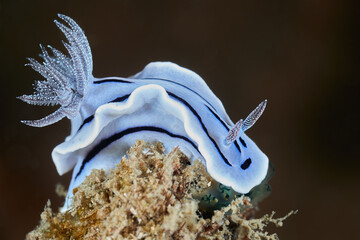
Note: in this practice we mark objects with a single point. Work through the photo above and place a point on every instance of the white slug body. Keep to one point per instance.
(164, 102)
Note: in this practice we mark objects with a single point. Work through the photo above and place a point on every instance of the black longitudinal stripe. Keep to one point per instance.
(87, 120)
(227, 128)
(119, 99)
(202, 125)
(107, 141)
(90, 118)
(243, 142)
(218, 118)
(160, 79)
(111, 80)
(167, 80)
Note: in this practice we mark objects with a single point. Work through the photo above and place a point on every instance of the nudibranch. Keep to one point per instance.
(164, 102)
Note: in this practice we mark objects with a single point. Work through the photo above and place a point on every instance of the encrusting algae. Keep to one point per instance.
(151, 195)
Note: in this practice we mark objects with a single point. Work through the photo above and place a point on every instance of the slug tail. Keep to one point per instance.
(66, 76)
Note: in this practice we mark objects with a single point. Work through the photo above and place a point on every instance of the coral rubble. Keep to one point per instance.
(151, 195)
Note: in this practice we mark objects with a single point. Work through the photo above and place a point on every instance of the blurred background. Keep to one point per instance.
(303, 56)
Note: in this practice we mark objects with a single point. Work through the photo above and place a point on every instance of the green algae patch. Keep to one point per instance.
(152, 195)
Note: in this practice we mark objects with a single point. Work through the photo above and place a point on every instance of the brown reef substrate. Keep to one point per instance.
(151, 195)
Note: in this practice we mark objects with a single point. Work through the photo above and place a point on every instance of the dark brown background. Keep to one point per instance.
(303, 56)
